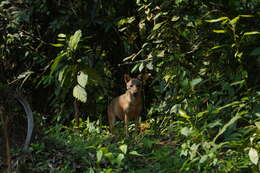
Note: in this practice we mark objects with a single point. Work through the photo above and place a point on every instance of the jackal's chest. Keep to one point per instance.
(132, 111)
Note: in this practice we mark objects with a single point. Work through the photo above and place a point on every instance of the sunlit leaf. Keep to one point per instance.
(120, 158)
(247, 16)
(219, 31)
(203, 158)
(217, 20)
(253, 155)
(82, 78)
(183, 114)
(185, 131)
(74, 40)
(141, 67)
(58, 45)
(237, 83)
(80, 93)
(123, 148)
(252, 33)
(196, 81)
(135, 153)
(61, 35)
(175, 18)
(158, 25)
(149, 66)
(218, 46)
(161, 54)
(99, 155)
(235, 20)
(257, 124)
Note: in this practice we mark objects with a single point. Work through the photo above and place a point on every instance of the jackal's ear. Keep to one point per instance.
(144, 77)
(127, 78)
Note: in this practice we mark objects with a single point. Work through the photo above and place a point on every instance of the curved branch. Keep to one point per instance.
(30, 122)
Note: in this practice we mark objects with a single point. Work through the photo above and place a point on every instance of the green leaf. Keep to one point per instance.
(251, 33)
(62, 76)
(255, 52)
(219, 31)
(235, 20)
(149, 65)
(80, 93)
(82, 79)
(196, 81)
(237, 83)
(120, 158)
(183, 114)
(224, 128)
(218, 46)
(74, 40)
(203, 158)
(185, 131)
(58, 45)
(160, 54)
(99, 155)
(247, 16)
(253, 155)
(157, 26)
(56, 62)
(135, 153)
(257, 124)
(141, 67)
(217, 20)
(61, 35)
(123, 148)
(175, 18)
(125, 21)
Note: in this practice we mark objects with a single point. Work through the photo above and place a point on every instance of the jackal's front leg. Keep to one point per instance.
(126, 124)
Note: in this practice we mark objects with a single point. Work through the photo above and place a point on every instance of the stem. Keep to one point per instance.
(6, 138)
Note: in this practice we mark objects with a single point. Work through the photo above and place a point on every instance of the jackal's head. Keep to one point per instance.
(134, 85)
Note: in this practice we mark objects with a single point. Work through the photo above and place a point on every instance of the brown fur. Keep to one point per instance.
(128, 106)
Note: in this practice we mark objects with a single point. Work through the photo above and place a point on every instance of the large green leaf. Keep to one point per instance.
(123, 148)
(74, 40)
(82, 78)
(253, 155)
(196, 81)
(99, 155)
(80, 93)
(56, 62)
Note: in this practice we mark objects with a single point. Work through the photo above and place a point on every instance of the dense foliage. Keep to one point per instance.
(202, 103)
